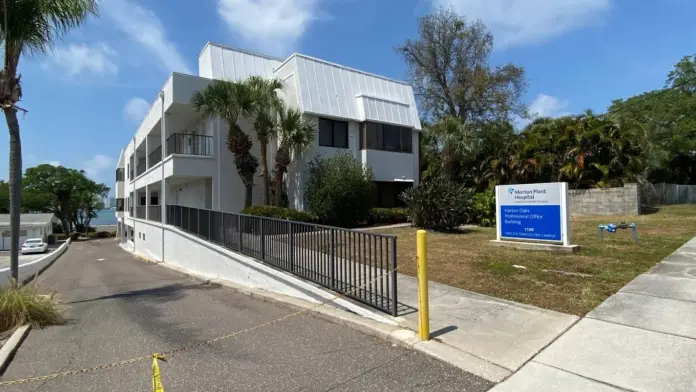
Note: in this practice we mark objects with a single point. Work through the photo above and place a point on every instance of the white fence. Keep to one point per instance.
(28, 270)
(667, 194)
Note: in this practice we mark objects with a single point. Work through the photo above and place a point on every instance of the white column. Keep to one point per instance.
(163, 181)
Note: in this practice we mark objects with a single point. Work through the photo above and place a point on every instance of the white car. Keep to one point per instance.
(34, 245)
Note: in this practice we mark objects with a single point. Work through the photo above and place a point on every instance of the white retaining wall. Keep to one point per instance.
(211, 261)
(28, 270)
(147, 237)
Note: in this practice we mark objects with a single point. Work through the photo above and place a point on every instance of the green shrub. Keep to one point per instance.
(339, 190)
(26, 305)
(75, 236)
(439, 204)
(484, 208)
(102, 234)
(389, 215)
(61, 237)
(279, 213)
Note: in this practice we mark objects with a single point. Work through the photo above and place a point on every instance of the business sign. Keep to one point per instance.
(533, 212)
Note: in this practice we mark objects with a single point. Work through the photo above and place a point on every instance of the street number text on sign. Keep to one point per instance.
(532, 212)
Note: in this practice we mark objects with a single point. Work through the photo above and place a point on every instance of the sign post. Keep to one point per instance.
(533, 216)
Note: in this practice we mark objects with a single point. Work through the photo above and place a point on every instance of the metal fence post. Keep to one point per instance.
(292, 247)
(239, 229)
(263, 240)
(333, 261)
(393, 272)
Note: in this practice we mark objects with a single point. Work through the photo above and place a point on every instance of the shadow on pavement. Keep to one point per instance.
(167, 293)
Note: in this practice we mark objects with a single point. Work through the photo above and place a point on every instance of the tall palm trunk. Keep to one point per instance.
(15, 188)
(282, 162)
(264, 171)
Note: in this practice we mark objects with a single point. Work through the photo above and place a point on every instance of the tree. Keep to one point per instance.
(4, 197)
(448, 65)
(666, 118)
(295, 135)
(230, 100)
(67, 193)
(267, 105)
(339, 190)
(28, 27)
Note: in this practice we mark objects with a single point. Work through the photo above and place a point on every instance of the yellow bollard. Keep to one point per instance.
(423, 307)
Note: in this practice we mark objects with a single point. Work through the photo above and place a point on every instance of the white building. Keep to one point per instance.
(30, 226)
(178, 157)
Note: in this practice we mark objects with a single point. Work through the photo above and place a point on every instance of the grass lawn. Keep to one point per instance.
(466, 260)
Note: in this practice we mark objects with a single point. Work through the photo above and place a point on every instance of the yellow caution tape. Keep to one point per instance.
(156, 377)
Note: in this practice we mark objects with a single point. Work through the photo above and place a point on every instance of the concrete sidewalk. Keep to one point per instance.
(490, 336)
(642, 339)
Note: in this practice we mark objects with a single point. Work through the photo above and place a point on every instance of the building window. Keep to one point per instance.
(374, 136)
(120, 205)
(119, 174)
(333, 133)
(154, 199)
(143, 199)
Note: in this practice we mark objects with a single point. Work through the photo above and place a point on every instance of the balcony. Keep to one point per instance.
(155, 156)
(155, 213)
(141, 168)
(190, 144)
(140, 212)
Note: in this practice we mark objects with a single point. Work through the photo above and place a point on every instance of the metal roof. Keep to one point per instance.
(28, 219)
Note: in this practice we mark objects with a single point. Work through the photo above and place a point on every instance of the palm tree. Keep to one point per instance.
(28, 27)
(267, 105)
(230, 100)
(296, 134)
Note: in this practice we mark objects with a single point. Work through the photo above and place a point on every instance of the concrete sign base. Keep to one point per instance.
(536, 246)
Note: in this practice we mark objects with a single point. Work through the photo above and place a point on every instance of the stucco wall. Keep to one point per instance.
(208, 260)
(148, 239)
(28, 270)
(605, 201)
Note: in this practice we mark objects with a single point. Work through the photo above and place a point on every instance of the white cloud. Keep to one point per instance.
(98, 164)
(548, 106)
(273, 26)
(144, 27)
(544, 106)
(77, 59)
(519, 22)
(136, 108)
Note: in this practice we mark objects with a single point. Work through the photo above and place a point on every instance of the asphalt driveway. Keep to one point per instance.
(121, 307)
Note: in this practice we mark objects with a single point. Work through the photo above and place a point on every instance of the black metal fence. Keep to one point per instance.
(190, 144)
(141, 168)
(155, 157)
(140, 212)
(360, 265)
(154, 213)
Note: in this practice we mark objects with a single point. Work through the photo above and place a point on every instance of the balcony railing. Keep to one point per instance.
(140, 212)
(155, 213)
(190, 144)
(141, 168)
(155, 156)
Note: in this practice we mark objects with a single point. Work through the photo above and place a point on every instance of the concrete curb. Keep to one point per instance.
(395, 334)
(12, 345)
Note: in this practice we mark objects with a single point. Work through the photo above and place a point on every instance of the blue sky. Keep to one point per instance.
(87, 97)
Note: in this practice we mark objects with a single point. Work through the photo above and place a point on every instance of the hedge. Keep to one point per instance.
(389, 215)
(280, 213)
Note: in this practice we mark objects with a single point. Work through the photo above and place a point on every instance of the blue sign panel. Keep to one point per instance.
(532, 222)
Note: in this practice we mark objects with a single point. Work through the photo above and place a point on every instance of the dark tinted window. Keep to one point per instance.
(375, 136)
(333, 133)
(340, 134)
(325, 132)
(406, 140)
